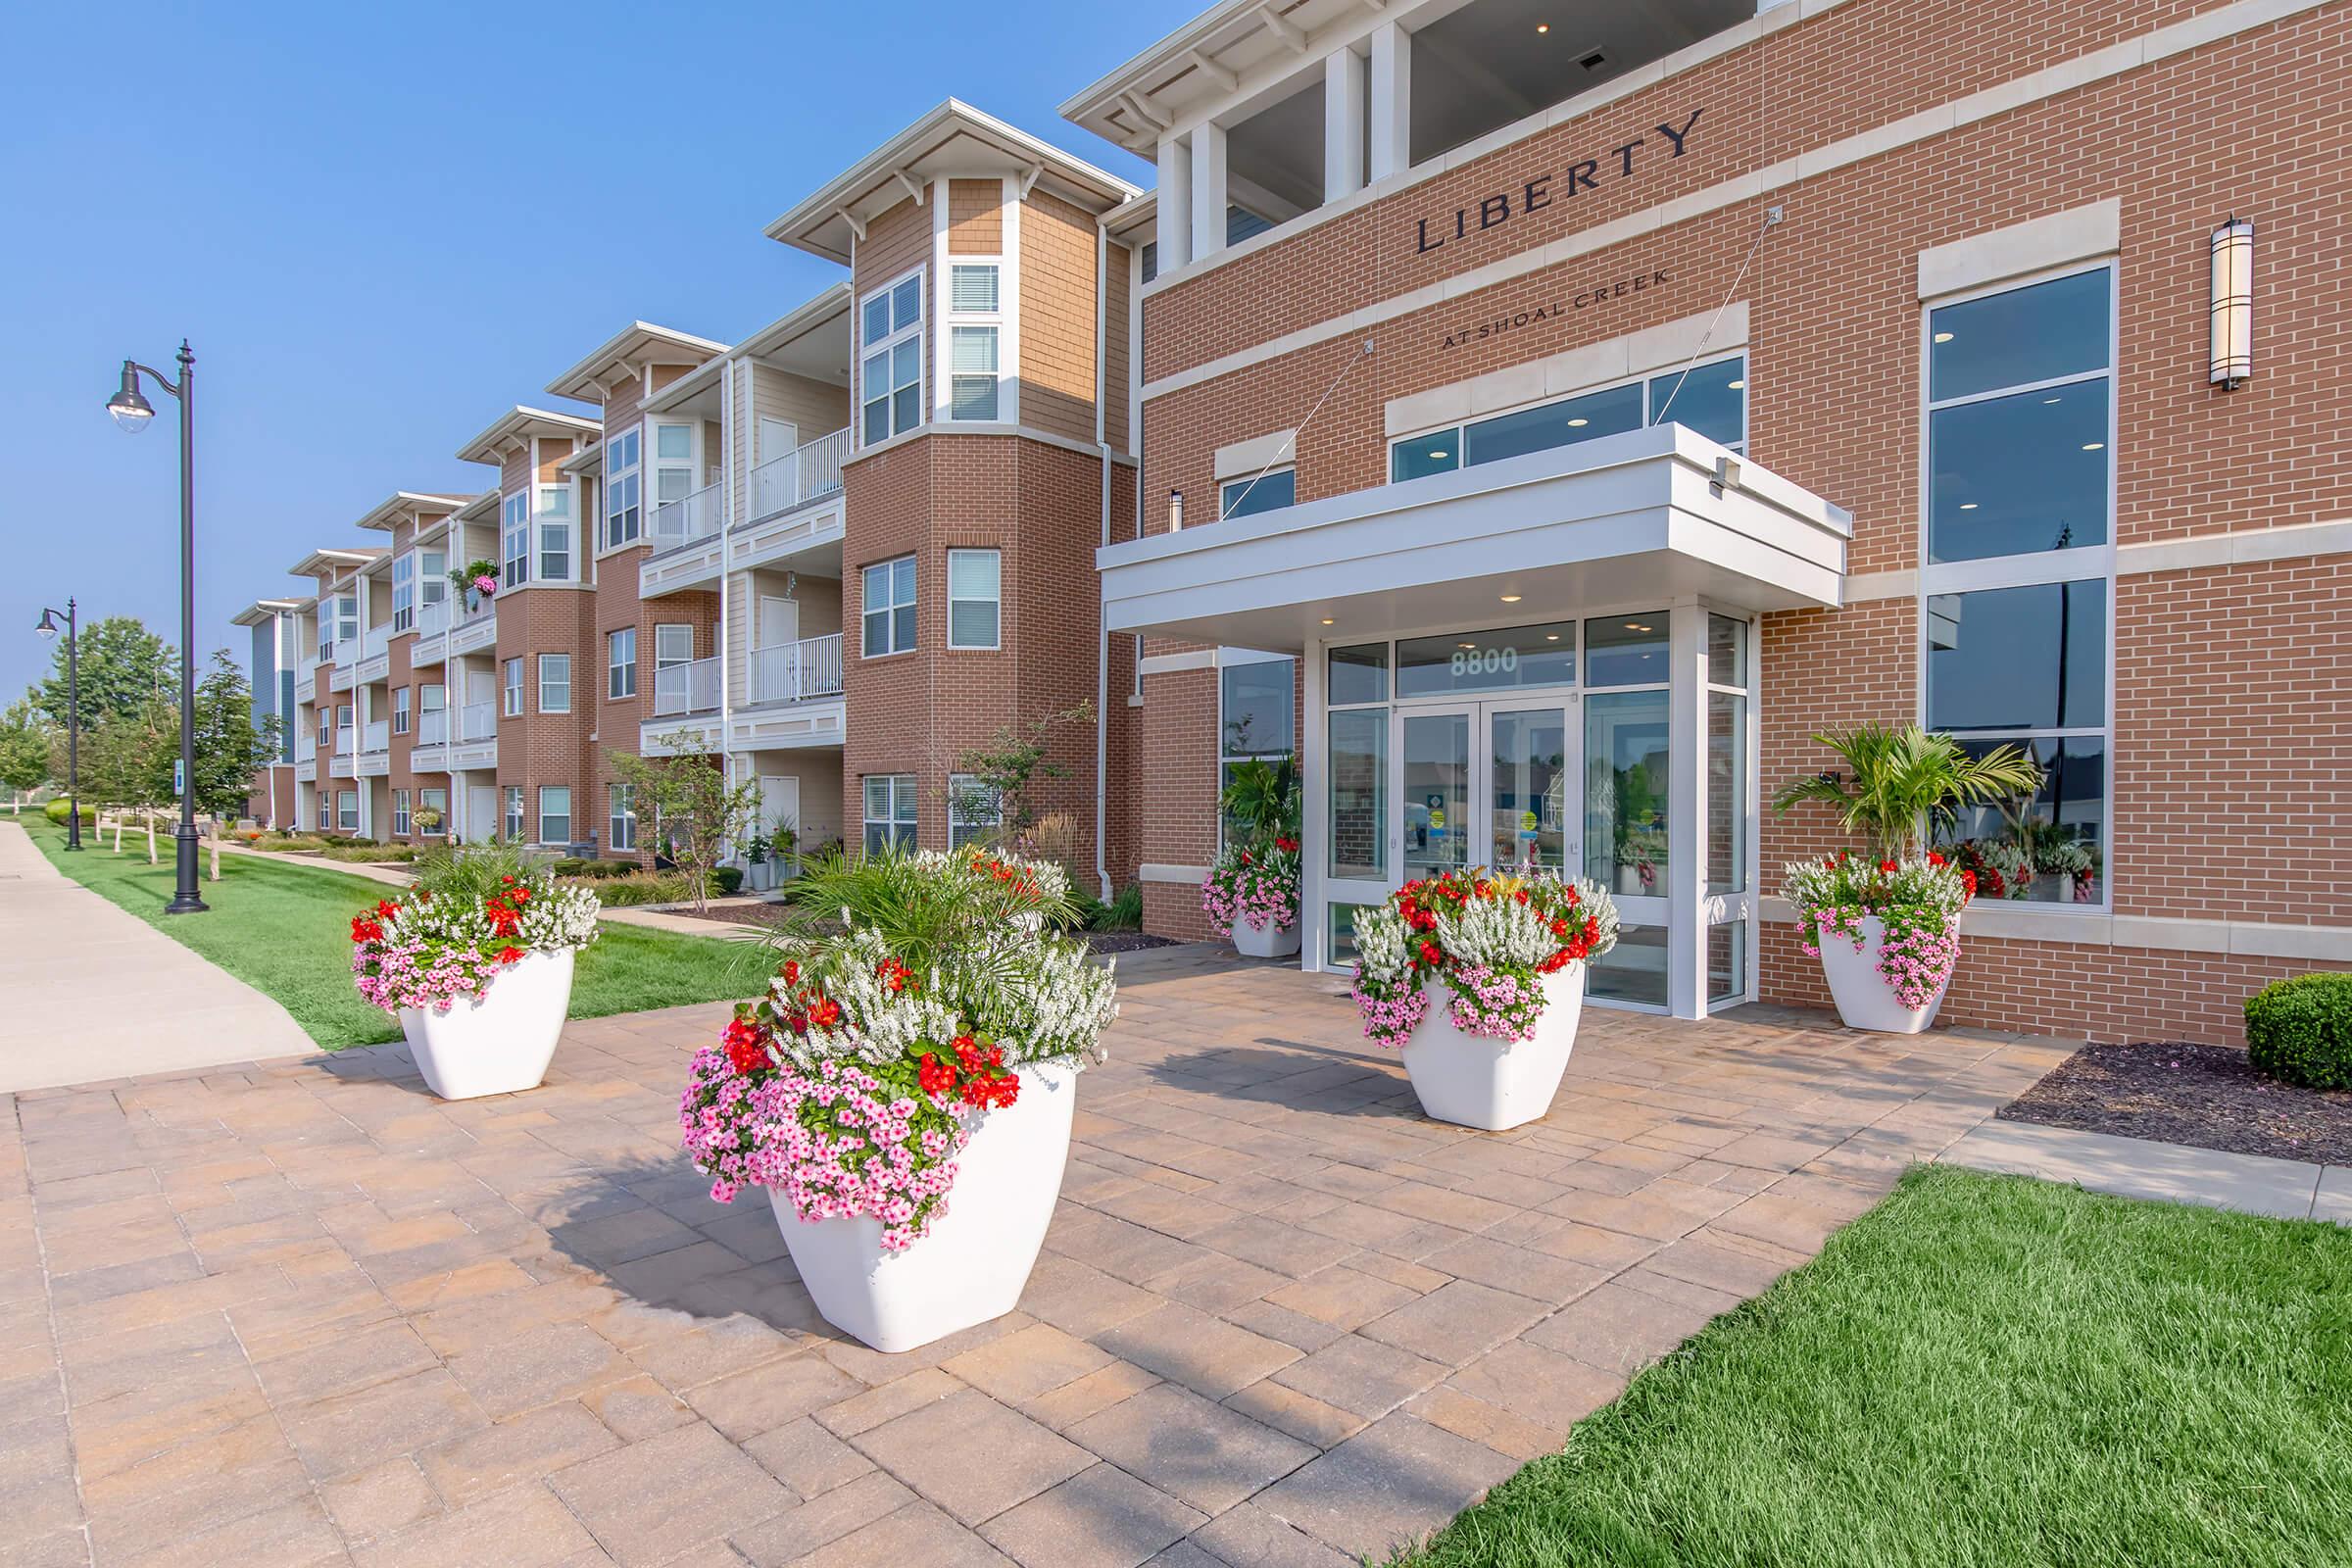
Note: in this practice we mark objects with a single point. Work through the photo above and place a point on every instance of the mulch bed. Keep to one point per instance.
(2207, 1096)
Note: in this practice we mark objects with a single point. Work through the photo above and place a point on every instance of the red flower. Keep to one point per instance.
(937, 1077)
(1431, 953)
(1287, 846)
(363, 929)
(746, 1046)
(892, 974)
(1887, 866)
(1520, 895)
(824, 1013)
(521, 895)
(968, 1052)
(510, 954)
(1560, 928)
(386, 908)
(1968, 882)
(1933, 858)
(792, 973)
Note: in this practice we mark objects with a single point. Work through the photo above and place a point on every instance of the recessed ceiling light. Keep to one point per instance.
(1944, 337)
(1635, 625)
(2050, 400)
(1578, 424)
(1737, 386)
(1543, 27)
(1465, 645)
(1551, 636)
(1438, 452)
(1510, 599)
(2094, 446)
(1968, 505)
(1326, 621)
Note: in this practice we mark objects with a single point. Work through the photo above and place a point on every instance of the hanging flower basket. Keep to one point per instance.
(1887, 933)
(1250, 897)
(1479, 979)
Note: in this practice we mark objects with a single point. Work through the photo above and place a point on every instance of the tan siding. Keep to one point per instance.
(1057, 318)
(1118, 368)
(975, 216)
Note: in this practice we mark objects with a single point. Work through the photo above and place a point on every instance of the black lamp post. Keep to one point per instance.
(49, 628)
(132, 412)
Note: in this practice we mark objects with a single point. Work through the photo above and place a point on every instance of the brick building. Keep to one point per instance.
(1541, 421)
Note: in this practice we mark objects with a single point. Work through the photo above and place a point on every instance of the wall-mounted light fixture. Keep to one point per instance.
(1175, 512)
(2233, 303)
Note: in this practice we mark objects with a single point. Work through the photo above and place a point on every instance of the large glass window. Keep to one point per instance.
(1359, 793)
(1488, 661)
(975, 586)
(1625, 754)
(1270, 491)
(889, 811)
(515, 537)
(1357, 674)
(889, 610)
(404, 591)
(621, 664)
(1711, 399)
(624, 520)
(1727, 823)
(889, 367)
(554, 534)
(1255, 715)
(435, 801)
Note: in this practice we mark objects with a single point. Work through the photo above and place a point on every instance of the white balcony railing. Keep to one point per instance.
(686, 688)
(433, 620)
(306, 746)
(789, 672)
(682, 522)
(473, 608)
(377, 640)
(782, 483)
(478, 721)
(379, 736)
(432, 726)
(343, 742)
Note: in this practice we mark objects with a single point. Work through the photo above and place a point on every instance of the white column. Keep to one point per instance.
(1209, 190)
(1175, 203)
(1686, 811)
(1342, 123)
(1391, 89)
(1314, 818)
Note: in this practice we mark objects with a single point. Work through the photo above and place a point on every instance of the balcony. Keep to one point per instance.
(338, 680)
(376, 750)
(375, 657)
(305, 686)
(430, 648)
(472, 627)
(679, 524)
(797, 477)
(475, 743)
(427, 754)
(688, 688)
(343, 763)
(794, 672)
(796, 510)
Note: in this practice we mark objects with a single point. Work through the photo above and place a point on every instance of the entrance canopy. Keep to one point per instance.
(1658, 513)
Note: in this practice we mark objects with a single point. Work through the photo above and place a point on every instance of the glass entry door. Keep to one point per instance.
(1488, 784)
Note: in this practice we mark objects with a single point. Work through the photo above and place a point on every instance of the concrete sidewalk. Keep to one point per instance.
(89, 992)
(2136, 1167)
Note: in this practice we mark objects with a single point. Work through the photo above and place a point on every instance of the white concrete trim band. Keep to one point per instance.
(2251, 939)
(2244, 547)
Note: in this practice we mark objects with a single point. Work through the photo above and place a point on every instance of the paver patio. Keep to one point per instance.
(301, 1313)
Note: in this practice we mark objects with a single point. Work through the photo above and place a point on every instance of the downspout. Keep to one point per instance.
(1101, 631)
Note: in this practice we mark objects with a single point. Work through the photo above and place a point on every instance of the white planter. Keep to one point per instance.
(1629, 882)
(760, 876)
(1473, 1081)
(1274, 942)
(976, 1259)
(500, 1041)
(1865, 1001)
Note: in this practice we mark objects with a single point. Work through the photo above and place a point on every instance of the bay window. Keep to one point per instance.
(554, 534)
(890, 367)
(404, 591)
(515, 539)
(624, 521)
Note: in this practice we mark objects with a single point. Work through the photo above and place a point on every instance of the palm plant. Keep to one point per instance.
(969, 925)
(1261, 798)
(1903, 779)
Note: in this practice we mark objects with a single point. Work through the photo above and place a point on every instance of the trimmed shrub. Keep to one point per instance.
(602, 868)
(59, 809)
(729, 879)
(570, 865)
(2300, 1031)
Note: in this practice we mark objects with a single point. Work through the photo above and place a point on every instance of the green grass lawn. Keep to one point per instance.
(287, 931)
(1984, 1370)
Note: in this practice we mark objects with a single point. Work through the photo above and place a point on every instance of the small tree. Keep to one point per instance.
(1004, 770)
(24, 750)
(1905, 780)
(231, 748)
(692, 806)
(126, 763)
(124, 667)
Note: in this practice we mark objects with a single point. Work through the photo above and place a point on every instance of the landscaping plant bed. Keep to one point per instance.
(775, 916)
(2207, 1096)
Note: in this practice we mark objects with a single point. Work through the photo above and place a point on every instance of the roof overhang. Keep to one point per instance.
(405, 505)
(522, 424)
(480, 508)
(1647, 516)
(626, 353)
(953, 139)
(793, 342)
(336, 562)
(262, 612)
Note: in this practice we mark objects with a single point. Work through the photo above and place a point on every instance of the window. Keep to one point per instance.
(974, 588)
(1710, 399)
(1261, 492)
(890, 607)
(513, 683)
(673, 645)
(555, 814)
(889, 811)
(2017, 587)
(435, 801)
(554, 534)
(975, 327)
(890, 369)
(434, 580)
(511, 799)
(555, 683)
(400, 709)
(430, 698)
(400, 813)
(673, 468)
(623, 811)
(1254, 713)
(974, 810)
(515, 538)
(623, 521)
(347, 811)
(621, 664)
(404, 591)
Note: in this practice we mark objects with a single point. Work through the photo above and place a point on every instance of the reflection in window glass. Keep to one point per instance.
(1625, 792)
(2036, 333)
(1343, 932)
(1359, 793)
(1726, 651)
(1263, 492)
(1626, 650)
(1727, 961)
(1488, 661)
(1554, 425)
(1417, 457)
(2052, 847)
(2019, 659)
(1633, 970)
(1711, 399)
(1727, 808)
(1527, 812)
(2018, 475)
(1256, 707)
(1358, 675)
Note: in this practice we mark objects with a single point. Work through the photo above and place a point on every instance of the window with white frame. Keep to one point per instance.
(889, 608)
(554, 534)
(1254, 714)
(975, 591)
(621, 664)
(555, 683)
(347, 811)
(621, 813)
(435, 801)
(555, 814)
(1258, 492)
(673, 645)
(673, 464)
(889, 811)
(624, 521)
(510, 813)
(432, 580)
(515, 538)
(889, 365)
(1710, 399)
(975, 326)
(974, 810)
(400, 709)
(431, 698)
(404, 591)
(2017, 586)
(511, 683)
(400, 811)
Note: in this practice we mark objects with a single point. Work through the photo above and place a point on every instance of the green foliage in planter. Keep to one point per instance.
(2300, 1031)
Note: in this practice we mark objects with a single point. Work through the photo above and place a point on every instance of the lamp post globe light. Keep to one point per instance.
(51, 624)
(132, 412)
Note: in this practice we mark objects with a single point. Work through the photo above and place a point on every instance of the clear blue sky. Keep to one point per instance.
(380, 226)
